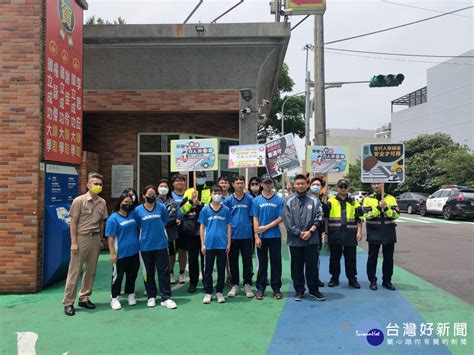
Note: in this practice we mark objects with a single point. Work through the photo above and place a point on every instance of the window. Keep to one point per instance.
(436, 194)
(444, 193)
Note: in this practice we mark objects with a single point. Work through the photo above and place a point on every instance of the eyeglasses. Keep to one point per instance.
(96, 184)
(343, 187)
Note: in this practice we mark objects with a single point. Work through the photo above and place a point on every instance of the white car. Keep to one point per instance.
(450, 201)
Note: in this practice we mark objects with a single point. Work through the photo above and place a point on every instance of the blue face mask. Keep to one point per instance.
(315, 189)
(201, 180)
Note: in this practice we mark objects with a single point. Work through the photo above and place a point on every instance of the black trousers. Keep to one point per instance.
(304, 263)
(159, 260)
(270, 246)
(193, 245)
(126, 266)
(387, 264)
(244, 246)
(349, 261)
(220, 256)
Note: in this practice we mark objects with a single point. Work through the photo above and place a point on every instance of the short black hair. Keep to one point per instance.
(238, 178)
(223, 177)
(148, 187)
(131, 190)
(300, 177)
(167, 184)
(94, 175)
(178, 177)
(216, 188)
(317, 178)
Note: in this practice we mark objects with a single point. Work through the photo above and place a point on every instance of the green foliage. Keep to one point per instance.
(100, 21)
(430, 161)
(294, 110)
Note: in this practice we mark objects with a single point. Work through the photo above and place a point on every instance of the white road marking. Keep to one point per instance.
(26, 343)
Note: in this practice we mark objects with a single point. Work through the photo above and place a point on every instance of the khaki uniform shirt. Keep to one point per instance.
(89, 213)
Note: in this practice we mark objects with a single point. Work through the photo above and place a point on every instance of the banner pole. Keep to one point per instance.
(194, 181)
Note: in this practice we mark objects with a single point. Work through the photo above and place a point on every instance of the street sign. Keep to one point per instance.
(324, 159)
(383, 163)
(306, 7)
(281, 155)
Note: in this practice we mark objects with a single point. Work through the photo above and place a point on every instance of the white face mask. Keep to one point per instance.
(216, 198)
(163, 191)
(315, 188)
(255, 189)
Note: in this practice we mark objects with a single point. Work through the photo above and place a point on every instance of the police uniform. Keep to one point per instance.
(343, 218)
(380, 231)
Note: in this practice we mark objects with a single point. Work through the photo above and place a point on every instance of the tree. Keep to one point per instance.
(430, 161)
(100, 21)
(294, 110)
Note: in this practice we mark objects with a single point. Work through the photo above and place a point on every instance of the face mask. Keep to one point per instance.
(255, 189)
(126, 206)
(315, 189)
(216, 198)
(134, 198)
(201, 180)
(163, 191)
(150, 199)
(96, 189)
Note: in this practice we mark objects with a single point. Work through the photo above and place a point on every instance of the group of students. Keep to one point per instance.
(219, 227)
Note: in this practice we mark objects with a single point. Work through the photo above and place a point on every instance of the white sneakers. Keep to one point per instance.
(172, 279)
(182, 279)
(233, 291)
(132, 301)
(169, 303)
(248, 291)
(151, 302)
(220, 297)
(207, 298)
(115, 303)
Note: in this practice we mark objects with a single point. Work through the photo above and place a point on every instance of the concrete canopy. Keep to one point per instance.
(179, 57)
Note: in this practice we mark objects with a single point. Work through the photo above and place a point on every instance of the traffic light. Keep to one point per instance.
(379, 81)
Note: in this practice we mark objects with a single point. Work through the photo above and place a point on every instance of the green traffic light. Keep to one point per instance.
(389, 80)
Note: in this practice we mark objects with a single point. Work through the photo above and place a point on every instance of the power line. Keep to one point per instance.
(402, 54)
(299, 23)
(398, 59)
(423, 8)
(399, 26)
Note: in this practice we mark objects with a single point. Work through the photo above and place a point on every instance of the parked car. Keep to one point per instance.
(411, 201)
(450, 201)
(360, 195)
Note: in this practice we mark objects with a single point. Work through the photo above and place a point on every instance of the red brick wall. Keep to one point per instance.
(20, 144)
(114, 136)
(160, 100)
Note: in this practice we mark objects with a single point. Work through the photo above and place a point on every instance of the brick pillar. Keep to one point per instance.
(90, 163)
(21, 31)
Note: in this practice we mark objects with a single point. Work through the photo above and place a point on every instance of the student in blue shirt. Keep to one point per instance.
(179, 187)
(215, 233)
(151, 218)
(240, 205)
(122, 233)
(267, 212)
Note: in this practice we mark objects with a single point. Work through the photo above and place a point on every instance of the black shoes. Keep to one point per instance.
(320, 283)
(192, 289)
(333, 283)
(317, 295)
(299, 296)
(86, 304)
(373, 285)
(388, 286)
(354, 284)
(260, 295)
(69, 310)
(278, 295)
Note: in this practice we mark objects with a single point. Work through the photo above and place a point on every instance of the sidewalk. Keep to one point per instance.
(243, 325)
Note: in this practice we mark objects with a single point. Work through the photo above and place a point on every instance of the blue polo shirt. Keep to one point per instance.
(152, 227)
(241, 216)
(267, 210)
(216, 223)
(125, 232)
(178, 199)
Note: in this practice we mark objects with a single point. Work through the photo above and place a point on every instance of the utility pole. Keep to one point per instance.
(307, 89)
(319, 87)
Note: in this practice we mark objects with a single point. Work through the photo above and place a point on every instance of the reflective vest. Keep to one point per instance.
(380, 224)
(343, 229)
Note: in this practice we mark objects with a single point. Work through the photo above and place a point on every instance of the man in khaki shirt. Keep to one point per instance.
(88, 213)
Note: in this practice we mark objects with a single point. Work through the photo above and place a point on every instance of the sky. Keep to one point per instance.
(352, 106)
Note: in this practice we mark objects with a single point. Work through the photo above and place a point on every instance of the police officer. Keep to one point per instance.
(380, 215)
(344, 231)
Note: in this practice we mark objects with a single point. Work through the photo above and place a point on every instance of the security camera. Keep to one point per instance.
(286, 12)
(262, 118)
(266, 102)
(246, 110)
